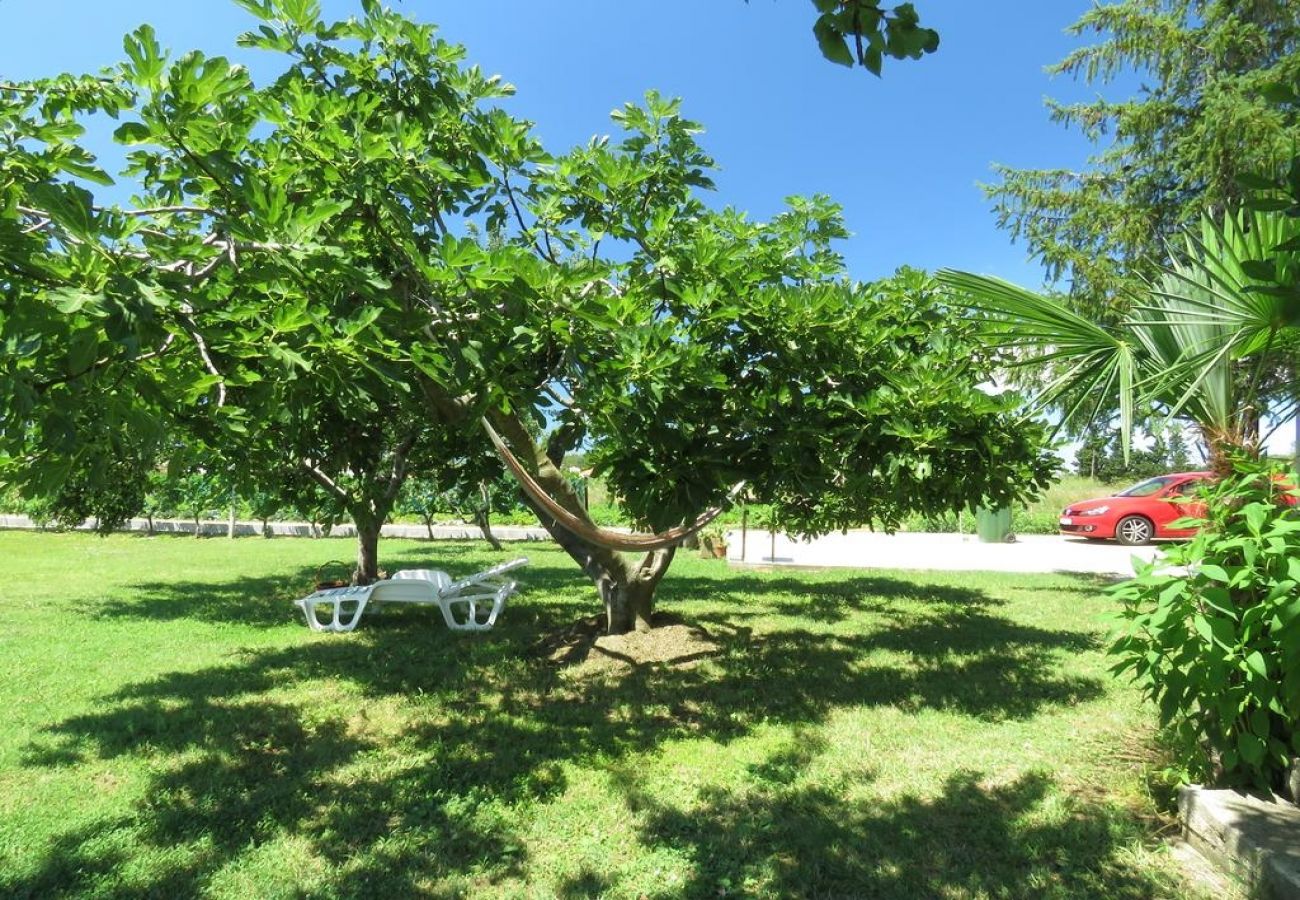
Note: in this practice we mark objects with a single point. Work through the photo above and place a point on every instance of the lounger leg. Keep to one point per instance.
(310, 610)
(309, 613)
(339, 620)
(498, 604)
(445, 607)
(483, 587)
(356, 616)
(471, 622)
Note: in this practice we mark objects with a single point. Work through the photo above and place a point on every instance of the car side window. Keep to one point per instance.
(1187, 488)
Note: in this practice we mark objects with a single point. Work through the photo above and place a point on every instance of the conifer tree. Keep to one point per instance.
(1200, 120)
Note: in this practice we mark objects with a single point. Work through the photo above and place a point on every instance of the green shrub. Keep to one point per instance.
(1039, 517)
(605, 515)
(1212, 633)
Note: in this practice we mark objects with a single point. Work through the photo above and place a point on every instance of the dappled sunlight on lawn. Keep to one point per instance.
(834, 737)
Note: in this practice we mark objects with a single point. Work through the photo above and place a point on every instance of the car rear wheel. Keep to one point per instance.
(1133, 531)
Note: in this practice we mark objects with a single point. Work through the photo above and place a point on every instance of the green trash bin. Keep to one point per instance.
(993, 525)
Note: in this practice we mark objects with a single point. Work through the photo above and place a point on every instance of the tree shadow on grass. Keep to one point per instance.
(1087, 584)
(391, 752)
(827, 600)
(267, 601)
(973, 839)
(264, 602)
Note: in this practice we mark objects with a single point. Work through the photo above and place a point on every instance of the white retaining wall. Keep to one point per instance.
(304, 529)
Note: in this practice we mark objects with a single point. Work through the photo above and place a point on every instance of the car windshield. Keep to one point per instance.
(1148, 487)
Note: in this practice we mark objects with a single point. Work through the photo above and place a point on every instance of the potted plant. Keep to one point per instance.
(713, 543)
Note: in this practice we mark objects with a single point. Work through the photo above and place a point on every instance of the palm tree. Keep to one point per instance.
(1214, 340)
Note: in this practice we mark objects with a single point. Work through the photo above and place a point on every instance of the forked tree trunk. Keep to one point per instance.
(369, 509)
(626, 585)
(630, 601)
(627, 589)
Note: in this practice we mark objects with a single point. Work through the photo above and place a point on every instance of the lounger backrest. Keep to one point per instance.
(487, 575)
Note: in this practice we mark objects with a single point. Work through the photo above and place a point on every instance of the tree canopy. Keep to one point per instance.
(371, 223)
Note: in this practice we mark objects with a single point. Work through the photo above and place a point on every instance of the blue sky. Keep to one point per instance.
(903, 154)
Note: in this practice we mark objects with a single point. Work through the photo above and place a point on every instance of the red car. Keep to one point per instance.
(1140, 514)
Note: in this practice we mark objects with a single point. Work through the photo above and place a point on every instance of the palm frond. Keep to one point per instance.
(1102, 362)
(1181, 349)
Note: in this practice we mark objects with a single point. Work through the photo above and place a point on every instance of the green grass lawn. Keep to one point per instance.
(171, 730)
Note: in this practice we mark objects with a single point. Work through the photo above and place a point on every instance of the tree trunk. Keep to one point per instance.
(630, 602)
(197, 527)
(266, 528)
(1222, 447)
(482, 514)
(367, 570)
(149, 518)
(485, 526)
(628, 606)
(611, 572)
(428, 525)
(230, 523)
(626, 587)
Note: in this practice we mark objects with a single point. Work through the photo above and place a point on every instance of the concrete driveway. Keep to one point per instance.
(949, 552)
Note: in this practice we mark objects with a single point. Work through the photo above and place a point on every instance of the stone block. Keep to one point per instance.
(1256, 839)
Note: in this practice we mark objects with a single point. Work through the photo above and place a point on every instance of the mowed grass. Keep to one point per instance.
(171, 730)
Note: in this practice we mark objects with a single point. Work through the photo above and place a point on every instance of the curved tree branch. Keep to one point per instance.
(601, 537)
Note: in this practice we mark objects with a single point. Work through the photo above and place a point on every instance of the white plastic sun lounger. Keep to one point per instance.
(482, 597)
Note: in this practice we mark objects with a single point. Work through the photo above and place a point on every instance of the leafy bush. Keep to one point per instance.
(603, 514)
(1212, 633)
(1039, 517)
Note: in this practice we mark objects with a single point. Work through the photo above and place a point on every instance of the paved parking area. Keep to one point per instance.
(860, 549)
(951, 552)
